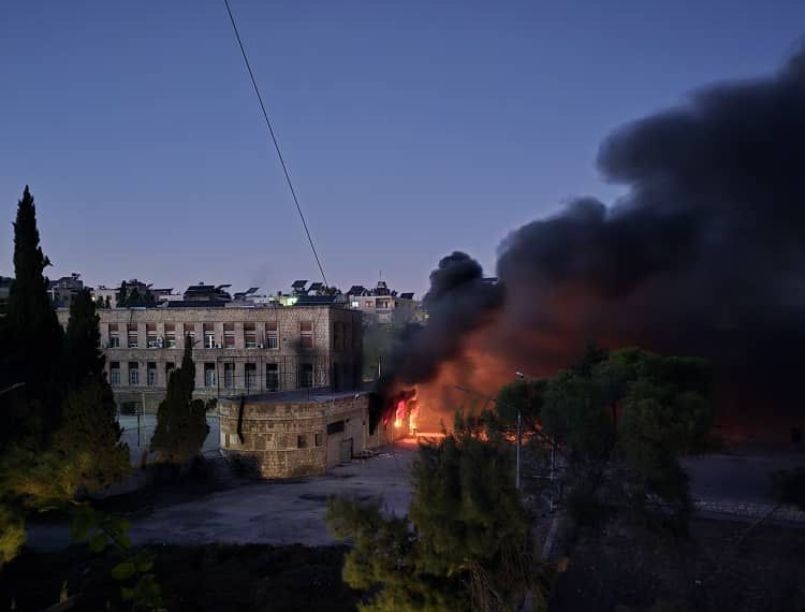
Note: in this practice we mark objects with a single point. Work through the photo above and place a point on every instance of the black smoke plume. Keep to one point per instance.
(705, 255)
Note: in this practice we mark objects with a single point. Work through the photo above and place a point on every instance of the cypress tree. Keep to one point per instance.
(82, 342)
(181, 420)
(33, 334)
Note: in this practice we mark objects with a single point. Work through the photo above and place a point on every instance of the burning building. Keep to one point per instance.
(704, 255)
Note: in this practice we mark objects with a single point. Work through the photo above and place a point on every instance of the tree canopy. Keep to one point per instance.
(181, 420)
(465, 544)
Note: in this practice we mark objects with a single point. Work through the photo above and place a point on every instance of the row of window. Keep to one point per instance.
(272, 375)
(252, 338)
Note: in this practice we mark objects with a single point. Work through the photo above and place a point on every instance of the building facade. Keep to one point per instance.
(236, 350)
(292, 434)
(383, 305)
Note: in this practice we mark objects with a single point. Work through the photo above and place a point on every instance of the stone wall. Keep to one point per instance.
(287, 439)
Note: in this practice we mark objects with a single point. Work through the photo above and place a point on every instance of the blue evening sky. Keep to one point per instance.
(411, 128)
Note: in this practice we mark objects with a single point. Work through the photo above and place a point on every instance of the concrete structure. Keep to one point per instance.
(237, 350)
(382, 304)
(63, 290)
(291, 434)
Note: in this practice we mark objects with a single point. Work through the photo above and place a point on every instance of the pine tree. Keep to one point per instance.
(33, 334)
(181, 420)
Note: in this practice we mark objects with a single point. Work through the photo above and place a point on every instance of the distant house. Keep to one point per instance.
(63, 291)
(382, 304)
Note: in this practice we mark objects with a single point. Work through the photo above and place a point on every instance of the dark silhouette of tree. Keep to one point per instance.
(83, 357)
(181, 420)
(32, 336)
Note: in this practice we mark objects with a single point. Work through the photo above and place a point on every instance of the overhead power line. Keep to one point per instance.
(274, 140)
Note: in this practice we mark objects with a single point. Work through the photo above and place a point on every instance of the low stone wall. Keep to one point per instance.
(289, 439)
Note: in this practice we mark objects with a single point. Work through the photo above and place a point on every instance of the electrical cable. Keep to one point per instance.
(274, 140)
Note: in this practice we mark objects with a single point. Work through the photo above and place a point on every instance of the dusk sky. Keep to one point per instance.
(411, 129)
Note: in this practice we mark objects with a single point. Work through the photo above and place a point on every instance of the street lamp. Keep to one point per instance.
(520, 376)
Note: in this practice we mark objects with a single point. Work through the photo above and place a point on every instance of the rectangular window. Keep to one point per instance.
(229, 335)
(209, 375)
(229, 376)
(306, 375)
(151, 374)
(169, 367)
(132, 335)
(369, 304)
(251, 376)
(272, 377)
(134, 373)
(318, 439)
(250, 335)
(151, 335)
(114, 373)
(306, 334)
(114, 336)
(190, 333)
(301, 441)
(170, 335)
(356, 304)
(272, 335)
(209, 336)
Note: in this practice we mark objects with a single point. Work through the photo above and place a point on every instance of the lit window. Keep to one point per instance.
(356, 304)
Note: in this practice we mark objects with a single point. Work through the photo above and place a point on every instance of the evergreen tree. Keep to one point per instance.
(181, 420)
(465, 544)
(32, 335)
(82, 342)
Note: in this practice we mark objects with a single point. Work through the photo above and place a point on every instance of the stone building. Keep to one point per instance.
(237, 350)
(291, 434)
(382, 304)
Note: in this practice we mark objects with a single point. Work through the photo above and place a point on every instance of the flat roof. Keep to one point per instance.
(319, 396)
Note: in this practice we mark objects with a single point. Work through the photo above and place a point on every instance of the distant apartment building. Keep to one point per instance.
(382, 304)
(63, 291)
(237, 350)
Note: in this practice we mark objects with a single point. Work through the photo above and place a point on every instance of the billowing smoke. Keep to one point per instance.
(459, 300)
(705, 255)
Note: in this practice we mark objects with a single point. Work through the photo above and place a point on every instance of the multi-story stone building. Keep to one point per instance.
(237, 350)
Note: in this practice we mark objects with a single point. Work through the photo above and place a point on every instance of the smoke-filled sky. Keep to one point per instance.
(412, 129)
(703, 255)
